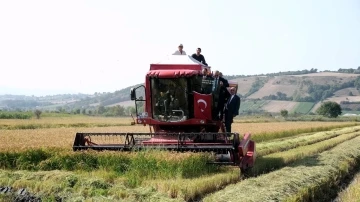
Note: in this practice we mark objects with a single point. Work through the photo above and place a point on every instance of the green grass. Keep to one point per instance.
(15, 115)
(315, 178)
(303, 107)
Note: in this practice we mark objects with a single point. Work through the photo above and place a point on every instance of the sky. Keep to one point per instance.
(77, 46)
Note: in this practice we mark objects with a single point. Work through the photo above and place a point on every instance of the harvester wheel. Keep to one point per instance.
(245, 172)
(236, 141)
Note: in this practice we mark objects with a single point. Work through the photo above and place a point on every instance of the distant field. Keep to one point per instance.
(252, 105)
(276, 106)
(345, 92)
(129, 103)
(244, 84)
(327, 74)
(344, 98)
(279, 84)
(303, 107)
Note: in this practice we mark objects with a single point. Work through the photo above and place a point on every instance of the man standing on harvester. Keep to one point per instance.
(231, 109)
(199, 57)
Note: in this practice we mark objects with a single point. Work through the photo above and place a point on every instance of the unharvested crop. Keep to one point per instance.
(135, 167)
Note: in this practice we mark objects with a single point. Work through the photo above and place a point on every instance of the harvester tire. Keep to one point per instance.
(245, 172)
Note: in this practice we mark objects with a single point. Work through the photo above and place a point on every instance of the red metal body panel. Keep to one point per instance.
(194, 121)
(175, 73)
(175, 66)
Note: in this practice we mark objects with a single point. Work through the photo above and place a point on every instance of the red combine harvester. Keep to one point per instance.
(180, 117)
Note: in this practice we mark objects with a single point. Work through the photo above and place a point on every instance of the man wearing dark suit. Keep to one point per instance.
(231, 109)
(224, 95)
(219, 89)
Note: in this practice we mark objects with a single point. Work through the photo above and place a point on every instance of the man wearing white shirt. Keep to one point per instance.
(231, 109)
(180, 51)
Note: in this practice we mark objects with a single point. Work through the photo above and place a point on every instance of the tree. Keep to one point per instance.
(329, 109)
(284, 113)
(37, 113)
(101, 109)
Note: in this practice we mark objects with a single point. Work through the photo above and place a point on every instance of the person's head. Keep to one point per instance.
(216, 73)
(204, 71)
(180, 47)
(232, 90)
(220, 74)
(198, 51)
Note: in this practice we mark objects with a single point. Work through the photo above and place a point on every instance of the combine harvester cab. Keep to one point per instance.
(180, 117)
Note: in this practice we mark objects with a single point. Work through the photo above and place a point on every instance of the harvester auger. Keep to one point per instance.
(180, 116)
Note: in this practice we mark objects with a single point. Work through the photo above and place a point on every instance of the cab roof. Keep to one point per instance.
(178, 62)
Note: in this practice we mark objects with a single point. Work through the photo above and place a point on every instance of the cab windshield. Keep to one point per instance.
(169, 99)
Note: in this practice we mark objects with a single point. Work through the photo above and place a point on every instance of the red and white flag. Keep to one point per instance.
(202, 106)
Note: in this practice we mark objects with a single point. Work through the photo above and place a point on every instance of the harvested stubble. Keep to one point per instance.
(314, 178)
(265, 148)
(277, 160)
(64, 137)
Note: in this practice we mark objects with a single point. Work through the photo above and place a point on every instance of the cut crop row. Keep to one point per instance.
(266, 136)
(352, 192)
(262, 165)
(265, 148)
(277, 160)
(314, 178)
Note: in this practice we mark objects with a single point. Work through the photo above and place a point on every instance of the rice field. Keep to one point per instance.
(296, 161)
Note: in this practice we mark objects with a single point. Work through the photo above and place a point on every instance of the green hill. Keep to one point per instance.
(296, 91)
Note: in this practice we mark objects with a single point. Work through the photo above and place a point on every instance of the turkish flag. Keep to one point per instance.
(202, 106)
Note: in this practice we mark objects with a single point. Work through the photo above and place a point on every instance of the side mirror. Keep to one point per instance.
(132, 94)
